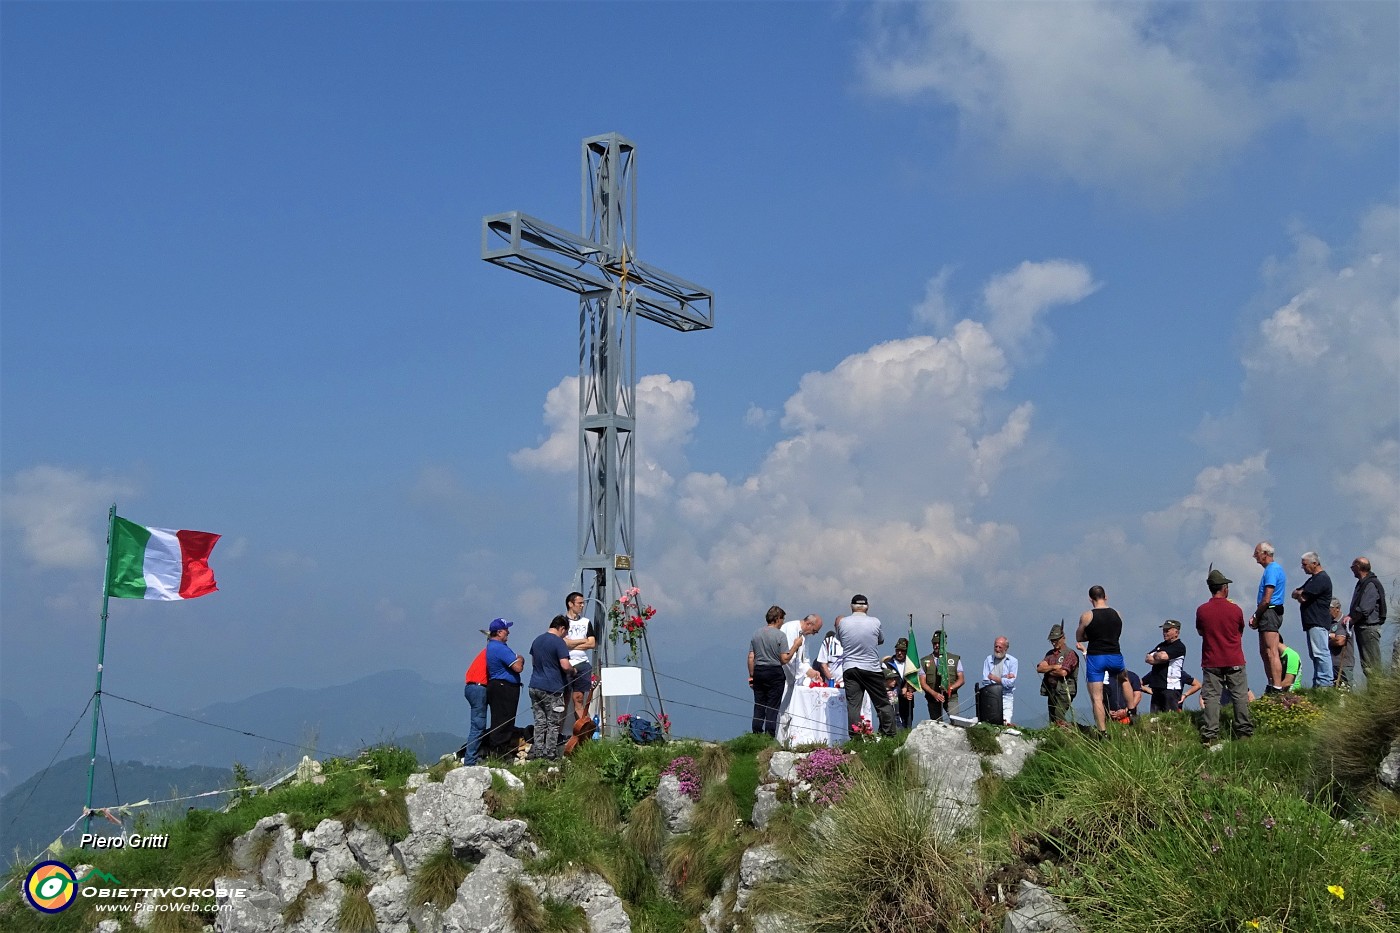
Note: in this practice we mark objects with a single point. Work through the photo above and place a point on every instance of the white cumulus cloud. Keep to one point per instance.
(59, 514)
(1135, 95)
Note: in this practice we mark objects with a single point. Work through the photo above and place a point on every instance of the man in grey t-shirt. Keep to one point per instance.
(768, 652)
(861, 637)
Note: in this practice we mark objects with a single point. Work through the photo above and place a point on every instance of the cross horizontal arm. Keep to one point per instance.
(548, 253)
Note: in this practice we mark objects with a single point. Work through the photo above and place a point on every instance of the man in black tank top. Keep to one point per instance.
(1098, 636)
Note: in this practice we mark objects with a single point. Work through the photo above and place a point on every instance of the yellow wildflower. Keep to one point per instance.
(1337, 890)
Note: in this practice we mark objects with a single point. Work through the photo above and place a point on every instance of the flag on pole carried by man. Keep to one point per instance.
(913, 655)
(158, 563)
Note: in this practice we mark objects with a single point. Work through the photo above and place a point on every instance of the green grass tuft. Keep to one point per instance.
(356, 914)
(438, 878)
(911, 876)
(983, 739)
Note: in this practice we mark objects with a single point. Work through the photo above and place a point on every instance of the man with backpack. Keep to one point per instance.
(1367, 616)
(1060, 684)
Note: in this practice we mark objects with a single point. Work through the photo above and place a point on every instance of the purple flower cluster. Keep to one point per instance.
(683, 768)
(822, 769)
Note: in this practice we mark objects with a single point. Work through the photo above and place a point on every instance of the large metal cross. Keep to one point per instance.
(614, 289)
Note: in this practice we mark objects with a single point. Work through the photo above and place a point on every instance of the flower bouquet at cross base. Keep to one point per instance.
(628, 620)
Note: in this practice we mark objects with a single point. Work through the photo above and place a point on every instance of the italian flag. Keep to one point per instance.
(158, 563)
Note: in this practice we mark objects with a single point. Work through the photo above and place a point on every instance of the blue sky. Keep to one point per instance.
(1010, 300)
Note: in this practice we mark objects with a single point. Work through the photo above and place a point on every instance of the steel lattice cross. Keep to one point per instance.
(614, 289)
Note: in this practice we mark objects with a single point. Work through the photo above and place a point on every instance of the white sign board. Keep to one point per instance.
(622, 681)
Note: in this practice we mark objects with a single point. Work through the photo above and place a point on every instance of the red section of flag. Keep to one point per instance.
(196, 579)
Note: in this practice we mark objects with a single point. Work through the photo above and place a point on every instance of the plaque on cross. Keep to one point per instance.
(614, 289)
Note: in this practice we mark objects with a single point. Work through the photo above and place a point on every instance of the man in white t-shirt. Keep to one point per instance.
(580, 638)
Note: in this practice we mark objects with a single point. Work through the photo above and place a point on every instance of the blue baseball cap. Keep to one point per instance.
(500, 625)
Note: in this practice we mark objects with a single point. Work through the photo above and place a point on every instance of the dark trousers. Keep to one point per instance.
(768, 683)
(862, 683)
(936, 708)
(1058, 704)
(906, 710)
(1166, 701)
(1368, 649)
(503, 697)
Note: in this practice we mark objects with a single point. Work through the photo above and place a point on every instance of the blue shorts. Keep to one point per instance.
(581, 678)
(1096, 665)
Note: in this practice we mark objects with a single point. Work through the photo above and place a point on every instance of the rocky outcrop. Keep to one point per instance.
(275, 868)
(259, 912)
(676, 806)
(330, 852)
(482, 901)
(600, 903)
(1389, 771)
(950, 769)
(1038, 911)
(320, 914)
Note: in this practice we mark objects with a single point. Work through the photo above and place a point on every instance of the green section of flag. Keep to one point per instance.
(126, 560)
(913, 657)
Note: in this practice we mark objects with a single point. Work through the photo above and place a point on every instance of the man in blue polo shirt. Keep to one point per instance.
(503, 667)
(550, 673)
(1268, 614)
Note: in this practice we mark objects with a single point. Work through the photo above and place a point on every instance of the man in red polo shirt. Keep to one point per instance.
(1221, 627)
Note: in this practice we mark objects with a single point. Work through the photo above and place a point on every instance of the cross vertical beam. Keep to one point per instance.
(614, 289)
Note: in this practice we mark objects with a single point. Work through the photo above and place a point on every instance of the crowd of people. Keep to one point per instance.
(849, 657)
(561, 678)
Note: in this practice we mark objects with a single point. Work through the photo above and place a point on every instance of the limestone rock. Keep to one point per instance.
(412, 852)
(478, 835)
(759, 864)
(950, 768)
(282, 872)
(107, 926)
(144, 917)
(246, 846)
(1038, 911)
(1389, 771)
(481, 900)
(513, 782)
(308, 770)
(371, 851)
(425, 918)
(677, 807)
(331, 856)
(1015, 749)
(716, 919)
(599, 901)
(390, 902)
(765, 803)
(437, 807)
(259, 912)
(321, 914)
(783, 766)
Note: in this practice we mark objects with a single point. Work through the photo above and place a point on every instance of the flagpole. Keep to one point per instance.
(101, 650)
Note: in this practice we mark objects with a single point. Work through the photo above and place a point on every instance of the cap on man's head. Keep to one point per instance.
(859, 600)
(500, 625)
(1171, 623)
(901, 643)
(1217, 578)
(1057, 631)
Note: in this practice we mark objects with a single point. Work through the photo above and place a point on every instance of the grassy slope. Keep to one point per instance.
(1149, 831)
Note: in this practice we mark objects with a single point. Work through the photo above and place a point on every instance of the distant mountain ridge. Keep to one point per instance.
(299, 721)
(285, 723)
